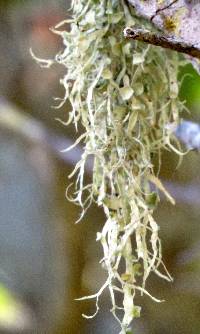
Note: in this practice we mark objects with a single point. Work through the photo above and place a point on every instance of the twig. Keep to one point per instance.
(168, 42)
(161, 9)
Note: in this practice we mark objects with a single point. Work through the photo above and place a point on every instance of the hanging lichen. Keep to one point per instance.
(125, 95)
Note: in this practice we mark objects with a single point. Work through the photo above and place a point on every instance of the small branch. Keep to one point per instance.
(161, 9)
(164, 41)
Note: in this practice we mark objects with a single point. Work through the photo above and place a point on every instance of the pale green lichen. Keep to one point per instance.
(124, 94)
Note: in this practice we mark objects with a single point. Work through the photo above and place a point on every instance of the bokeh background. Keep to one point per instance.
(45, 260)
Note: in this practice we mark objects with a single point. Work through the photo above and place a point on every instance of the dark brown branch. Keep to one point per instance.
(161, 9)
(173, 43)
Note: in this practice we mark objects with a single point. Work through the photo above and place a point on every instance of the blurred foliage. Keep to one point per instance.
(190, 90)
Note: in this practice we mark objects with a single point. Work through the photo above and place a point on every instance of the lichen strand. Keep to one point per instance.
(125, 94)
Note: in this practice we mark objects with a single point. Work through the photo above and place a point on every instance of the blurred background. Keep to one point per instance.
(45, 260)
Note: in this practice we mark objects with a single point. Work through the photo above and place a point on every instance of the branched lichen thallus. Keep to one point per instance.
(125, 94)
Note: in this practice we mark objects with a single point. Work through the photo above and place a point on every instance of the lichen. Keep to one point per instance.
(125, 94)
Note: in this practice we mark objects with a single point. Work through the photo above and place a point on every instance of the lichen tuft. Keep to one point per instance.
(124, 94)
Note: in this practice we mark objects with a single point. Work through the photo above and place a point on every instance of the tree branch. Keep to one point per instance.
(178, 19)
(167, 42)
(163, 8)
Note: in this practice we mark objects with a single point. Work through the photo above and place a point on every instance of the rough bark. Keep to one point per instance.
(177, 19)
